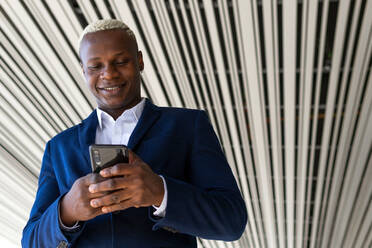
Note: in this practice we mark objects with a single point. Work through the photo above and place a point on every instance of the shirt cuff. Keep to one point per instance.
(160, 211)
(66, 228)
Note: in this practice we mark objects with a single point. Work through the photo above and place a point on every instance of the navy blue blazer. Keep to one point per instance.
(180, 144)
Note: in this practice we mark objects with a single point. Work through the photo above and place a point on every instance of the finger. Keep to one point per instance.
(93, 178)
(98, 194)
(110, 184)
(116, 207)
(111, 199)
(117, 170)
(133, 157)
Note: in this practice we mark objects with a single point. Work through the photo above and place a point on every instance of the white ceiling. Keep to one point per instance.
(287, 85)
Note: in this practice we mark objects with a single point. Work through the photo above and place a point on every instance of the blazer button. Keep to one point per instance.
(62, 244)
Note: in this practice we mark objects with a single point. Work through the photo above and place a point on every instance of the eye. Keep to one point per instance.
(122, 62)
(94, 67)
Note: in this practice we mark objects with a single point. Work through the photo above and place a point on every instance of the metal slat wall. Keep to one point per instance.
(287, 86)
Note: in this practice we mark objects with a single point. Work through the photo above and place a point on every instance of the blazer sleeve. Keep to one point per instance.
(210, 206)
(42, 228)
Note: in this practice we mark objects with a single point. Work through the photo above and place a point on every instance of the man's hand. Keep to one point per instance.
(75, 205)
(133, 185)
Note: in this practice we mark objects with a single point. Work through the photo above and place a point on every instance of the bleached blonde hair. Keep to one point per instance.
(105, 24)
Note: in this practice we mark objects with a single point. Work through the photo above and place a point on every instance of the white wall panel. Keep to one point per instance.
(287, 86)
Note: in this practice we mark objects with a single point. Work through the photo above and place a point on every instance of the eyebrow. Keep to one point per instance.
(117, 54)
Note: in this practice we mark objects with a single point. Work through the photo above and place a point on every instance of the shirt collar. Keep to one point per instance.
(136, 111)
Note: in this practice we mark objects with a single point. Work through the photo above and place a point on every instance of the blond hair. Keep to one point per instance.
(105, 24)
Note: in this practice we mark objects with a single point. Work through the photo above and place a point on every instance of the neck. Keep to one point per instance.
(115, 113)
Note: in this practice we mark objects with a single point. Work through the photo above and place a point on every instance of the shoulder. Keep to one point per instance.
(181, 116)
(180, 111)
(184, 115)
(174, 112)
(178, 122)
(65, 135)
(71, 134)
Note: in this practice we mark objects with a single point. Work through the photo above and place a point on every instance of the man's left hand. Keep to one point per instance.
(133, 184)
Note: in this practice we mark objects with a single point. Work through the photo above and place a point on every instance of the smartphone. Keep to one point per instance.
(103, 156)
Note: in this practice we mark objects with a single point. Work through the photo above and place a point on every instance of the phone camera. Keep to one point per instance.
(97, 157)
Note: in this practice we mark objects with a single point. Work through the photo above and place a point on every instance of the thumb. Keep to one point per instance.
(133, 157)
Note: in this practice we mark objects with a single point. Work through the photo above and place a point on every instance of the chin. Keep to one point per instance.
(115, 106)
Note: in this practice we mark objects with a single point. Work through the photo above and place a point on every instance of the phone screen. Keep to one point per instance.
(103, 156)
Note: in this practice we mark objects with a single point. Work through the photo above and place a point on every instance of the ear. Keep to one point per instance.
(140, 60)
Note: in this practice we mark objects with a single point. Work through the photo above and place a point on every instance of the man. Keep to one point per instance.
(176, 186)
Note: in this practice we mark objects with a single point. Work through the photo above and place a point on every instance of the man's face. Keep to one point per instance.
(111, 66)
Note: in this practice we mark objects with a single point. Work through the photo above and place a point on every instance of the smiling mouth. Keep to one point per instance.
(111, 88)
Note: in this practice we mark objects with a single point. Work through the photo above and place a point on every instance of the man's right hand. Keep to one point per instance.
(75, 205)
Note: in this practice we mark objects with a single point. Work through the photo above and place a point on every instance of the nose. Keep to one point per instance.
(109, 72)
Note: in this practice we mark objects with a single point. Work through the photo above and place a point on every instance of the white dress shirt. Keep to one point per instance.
(118, 132)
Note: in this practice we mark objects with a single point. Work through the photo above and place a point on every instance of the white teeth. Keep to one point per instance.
(111, 88)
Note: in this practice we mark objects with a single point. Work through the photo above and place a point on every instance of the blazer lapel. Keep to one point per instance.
(149, 115)
(87, 134)
(87, 129)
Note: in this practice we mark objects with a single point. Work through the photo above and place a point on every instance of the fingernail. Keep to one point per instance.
(92, 188)
(94, 203)
(104, 173)
(104, 210)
